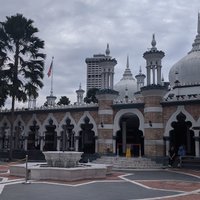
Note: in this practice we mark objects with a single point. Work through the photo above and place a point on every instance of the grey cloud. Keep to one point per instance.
(76, 29)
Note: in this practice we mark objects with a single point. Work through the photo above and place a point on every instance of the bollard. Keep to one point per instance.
(26, 173)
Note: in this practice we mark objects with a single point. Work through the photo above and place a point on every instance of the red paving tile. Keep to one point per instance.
(172, 185)
(186, 197)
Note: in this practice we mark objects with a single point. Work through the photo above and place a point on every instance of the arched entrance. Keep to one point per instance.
(50, 137)
(67, 136)
(4, 136)
(129, 136)
(33, 137)
(182, 134)
(87, 137)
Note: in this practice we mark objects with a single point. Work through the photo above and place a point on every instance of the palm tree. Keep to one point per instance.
(24, 63)
(3, 81)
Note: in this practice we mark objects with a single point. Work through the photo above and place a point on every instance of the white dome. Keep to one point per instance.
(127, 86)
(187, 70)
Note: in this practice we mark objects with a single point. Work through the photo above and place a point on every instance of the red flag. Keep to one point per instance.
(50, 69)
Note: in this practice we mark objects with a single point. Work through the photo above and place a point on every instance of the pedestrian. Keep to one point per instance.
(181, 153)
(172, 155)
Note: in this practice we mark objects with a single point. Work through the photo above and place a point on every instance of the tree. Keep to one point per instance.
(23, 64)
(64, 101)
(3, 80)
(91, 96)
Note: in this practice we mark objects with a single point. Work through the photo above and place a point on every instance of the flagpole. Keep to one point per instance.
(51, 93)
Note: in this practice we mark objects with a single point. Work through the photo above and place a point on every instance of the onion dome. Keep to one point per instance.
(187, 70)
(127, 86)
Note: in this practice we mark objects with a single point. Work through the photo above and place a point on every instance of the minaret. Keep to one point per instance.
(140, 79)
(107, 65)
(153, 59)
(51, 100)
(152, 96)
(31, 102)
(105, 97)
(80, 93)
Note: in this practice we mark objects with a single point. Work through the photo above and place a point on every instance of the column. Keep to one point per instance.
(167, 143)
(41, 143)
(114, 146)
(58, 143)
(154, 78)
(148, 75)
(159, 75)
(25, 142)
(197, 141)
(124, 137)
(76, 143)
(111, 80)
(103, 80)
(96, 145)
(106, 84)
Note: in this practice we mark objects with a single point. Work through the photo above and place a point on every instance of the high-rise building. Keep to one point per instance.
(94, 69)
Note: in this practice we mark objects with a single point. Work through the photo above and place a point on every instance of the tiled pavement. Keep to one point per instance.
(168, 184)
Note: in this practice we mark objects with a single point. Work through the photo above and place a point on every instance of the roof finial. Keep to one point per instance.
(153, 43)
(80, 86)
(127, 62)
(140, 71)
(195, 45)
(107, 50)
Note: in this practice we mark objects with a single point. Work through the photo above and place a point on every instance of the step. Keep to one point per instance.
(128, 163)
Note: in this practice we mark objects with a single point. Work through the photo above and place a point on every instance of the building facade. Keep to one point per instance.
(155, 118)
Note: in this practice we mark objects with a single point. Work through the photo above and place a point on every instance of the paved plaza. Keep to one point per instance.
(166, 184)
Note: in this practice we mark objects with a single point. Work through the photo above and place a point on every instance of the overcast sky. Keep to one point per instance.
(76, 29)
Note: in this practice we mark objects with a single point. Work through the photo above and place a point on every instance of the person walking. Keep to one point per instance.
(181, 153)
(172, 155)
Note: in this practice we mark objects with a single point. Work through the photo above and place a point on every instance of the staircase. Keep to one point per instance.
(128, 163)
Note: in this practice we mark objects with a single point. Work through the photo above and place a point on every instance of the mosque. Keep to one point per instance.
(142, 113)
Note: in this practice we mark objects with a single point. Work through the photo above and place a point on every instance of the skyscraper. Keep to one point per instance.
(95, 72)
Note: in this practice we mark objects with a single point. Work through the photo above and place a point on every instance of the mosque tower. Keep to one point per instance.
(140, 79)
(80, 93)
(152, 95)
(105, 97)
(153, 59)
(107, 65)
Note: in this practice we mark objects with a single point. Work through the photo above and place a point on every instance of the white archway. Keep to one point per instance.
(46, 122)
(189, 117)
(78, 128)
(120, 113)
(116, 128)
(67, 115)
(30, 123)
(173, 118)
(81, 120)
